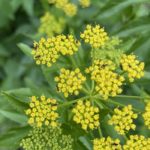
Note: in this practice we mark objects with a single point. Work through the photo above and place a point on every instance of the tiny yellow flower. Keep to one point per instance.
(146, 115)
(132, 66)
(95, 36)
(70, 82)
(137, 142)
(42, 111)
(123, 119)
(61, 3)
(85, 3)
(70, 9)
(86, 115)
(106, 144)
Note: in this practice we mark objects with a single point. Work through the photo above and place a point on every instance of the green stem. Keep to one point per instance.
(85, 90)
(116, 103)
(100, 132)
(93, 85)
(130, 96)
(123, 105)
(87, 86)
(73, 61)
(125, 137)
(99, 104)
(45, 5)
(72, 102)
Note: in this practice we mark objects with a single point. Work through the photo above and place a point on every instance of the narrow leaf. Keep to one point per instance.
(135, 29)
(117, 8)
(19, 118)
(25, 49)
(13, 137)
(28, 6)
(85, 142)
(17, 104)
(21, 91)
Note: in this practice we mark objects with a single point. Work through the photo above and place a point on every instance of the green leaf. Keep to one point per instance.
(12, 138)
(19, 118)
(135, 29)
(126, 46)
(28, 6)
(25, 49)
(16, 4)
(6, 14)
(15, 102)
(3, 51)
(109, 129)
(86, 142)
(21, 91)
(117, 8)
(146, 75)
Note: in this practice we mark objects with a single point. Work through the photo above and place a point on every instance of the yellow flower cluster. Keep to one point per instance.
(47, 51)
(132, 66)
(146, 115)
(99, 65)
(47, 138)
(94, 35)
(137, 142)
(68, 45)
(42, 111)
(85, 3)
(108, 83)
(70, 82)
(61, 3)
(70, 9)
(52, 1)
(86, 115)
(50, 25)
(123, 119)
(106, 144)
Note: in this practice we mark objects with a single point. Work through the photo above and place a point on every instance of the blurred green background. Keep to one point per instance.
(19, 22)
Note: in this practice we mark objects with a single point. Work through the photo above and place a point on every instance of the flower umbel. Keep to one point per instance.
(123, 119)
(50, 25)
(85, 3)
(42, 112)
(106, 144)
(108, 83)
(70, 82)
(86, 115)
(68, 45)
(132, 66)
(47, 51)
(146, 115)
(70, 9)
(61, 3)
(95, 36)
(46, 138)
(137, 142)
